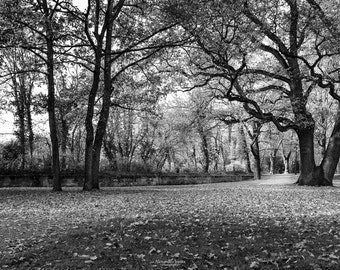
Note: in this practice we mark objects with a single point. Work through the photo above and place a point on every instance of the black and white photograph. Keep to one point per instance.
(170, 134)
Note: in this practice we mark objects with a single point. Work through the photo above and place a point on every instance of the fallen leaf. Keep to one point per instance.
(254, 265)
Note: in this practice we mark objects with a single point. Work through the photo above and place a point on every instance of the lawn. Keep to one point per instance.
(215, 226)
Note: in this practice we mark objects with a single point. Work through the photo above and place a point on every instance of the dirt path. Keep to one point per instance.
(287, 179)
(278, 179)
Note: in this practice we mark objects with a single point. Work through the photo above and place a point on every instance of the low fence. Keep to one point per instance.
(120, 180)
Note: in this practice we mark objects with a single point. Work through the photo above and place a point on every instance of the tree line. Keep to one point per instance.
(257, 78)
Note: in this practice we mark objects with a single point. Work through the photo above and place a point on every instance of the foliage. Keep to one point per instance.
(10, 156)
(10, 152)
(249, 225)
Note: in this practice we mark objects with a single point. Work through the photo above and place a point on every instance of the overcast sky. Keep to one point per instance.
(82, 4)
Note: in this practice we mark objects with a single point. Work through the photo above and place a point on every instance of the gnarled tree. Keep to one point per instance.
(270, 56)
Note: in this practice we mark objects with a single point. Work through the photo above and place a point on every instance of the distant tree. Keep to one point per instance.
(243, 147)
(254, 131)
(71, 87)
(19, 73)
(201, 120)
(288, 146)
(272, 140)
(147, 149)
(233, 116)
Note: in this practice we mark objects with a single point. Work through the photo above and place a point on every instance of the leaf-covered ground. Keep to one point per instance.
(245, 225)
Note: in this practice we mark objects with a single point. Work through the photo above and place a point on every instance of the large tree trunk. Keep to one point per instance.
(89, 125)
(332, 154)
(52, 121)
(51, 101)
(89, 128)
(307, 162)
(312, 175)
(94, 144)
(322, 175)
(105, 111)
(89, 141)
(100, 133)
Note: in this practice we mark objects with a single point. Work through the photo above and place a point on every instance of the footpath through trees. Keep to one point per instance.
(286, 179)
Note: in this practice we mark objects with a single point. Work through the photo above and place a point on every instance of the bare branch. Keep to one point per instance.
(267, 74)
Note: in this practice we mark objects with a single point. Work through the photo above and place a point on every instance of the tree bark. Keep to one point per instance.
(205, 149)
(255, 150)
(52, 119)
(89, 126)
(111, 152)
(100, 133)
(244, 149)
(332, 154)
(105, 111)
(94, 143)
(97, 47)
(307, 162)
(194, 156)
(296, 161)
(51, 100)
(19, 95)
(323, 174)
(64, 139)
(273, 158)
(271, 164)
(28, 105)
(216, 153)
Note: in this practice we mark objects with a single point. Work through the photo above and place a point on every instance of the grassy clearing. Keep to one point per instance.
(217, 226)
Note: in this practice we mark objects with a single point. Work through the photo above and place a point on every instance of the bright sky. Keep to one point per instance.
(6, 126)
(6, 122)
(82, 4)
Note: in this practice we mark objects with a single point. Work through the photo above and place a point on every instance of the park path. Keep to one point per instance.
(277, 179)
(286, 179)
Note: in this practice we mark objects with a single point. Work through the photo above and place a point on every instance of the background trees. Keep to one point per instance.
(16, 65)
(250, 70)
